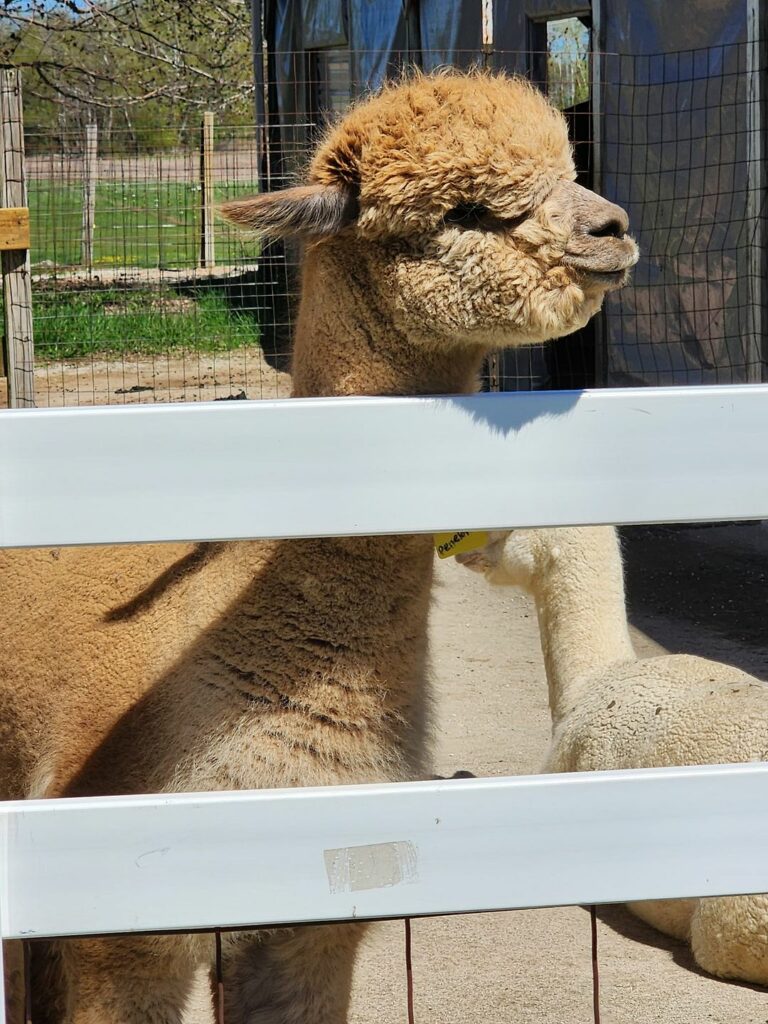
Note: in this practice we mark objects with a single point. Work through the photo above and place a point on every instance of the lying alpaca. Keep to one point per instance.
(441, 219)
(611, 709)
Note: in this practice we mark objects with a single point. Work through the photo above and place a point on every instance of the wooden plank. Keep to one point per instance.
(207, 249)
(17, 281)
(14, 228)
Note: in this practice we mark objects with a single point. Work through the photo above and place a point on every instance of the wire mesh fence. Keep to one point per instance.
(126, 306)
(684, 152)
(130, 305)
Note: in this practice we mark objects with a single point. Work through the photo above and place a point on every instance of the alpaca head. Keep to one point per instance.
(532, 558)
(509, 557)
(453, 198)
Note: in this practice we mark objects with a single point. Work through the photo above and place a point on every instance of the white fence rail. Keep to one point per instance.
(323, 467)
(190, 861)
(317, 467)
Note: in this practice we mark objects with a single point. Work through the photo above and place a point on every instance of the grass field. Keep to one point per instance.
(149, 225)
(70, 325)
(145, 224)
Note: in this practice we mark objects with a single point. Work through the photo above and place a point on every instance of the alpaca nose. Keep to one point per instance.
(599, 243)
(592, 215)
(606, 220)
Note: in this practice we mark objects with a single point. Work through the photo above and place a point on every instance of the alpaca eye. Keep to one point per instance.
(468, 215)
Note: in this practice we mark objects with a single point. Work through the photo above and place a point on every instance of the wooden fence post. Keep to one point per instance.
(17, 281)
(89, 194)
(207, 251)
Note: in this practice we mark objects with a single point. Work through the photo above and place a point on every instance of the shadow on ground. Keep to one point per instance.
(616, 917)
(701, 590)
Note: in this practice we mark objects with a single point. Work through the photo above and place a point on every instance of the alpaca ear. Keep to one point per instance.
(306, 210)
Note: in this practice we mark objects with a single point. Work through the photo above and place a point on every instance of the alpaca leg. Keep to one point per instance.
(13, 966)
(673, 917)
(45, 987)
(148, 980)
(291, 976)
(729, 937)
(46, 982)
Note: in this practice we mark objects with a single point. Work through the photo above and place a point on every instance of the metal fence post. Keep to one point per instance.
(756, 203)
(17, 283)
(596, 118)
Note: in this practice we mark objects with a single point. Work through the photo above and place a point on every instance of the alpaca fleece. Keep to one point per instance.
(611, 709)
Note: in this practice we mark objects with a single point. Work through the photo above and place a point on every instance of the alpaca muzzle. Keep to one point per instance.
(599, 246)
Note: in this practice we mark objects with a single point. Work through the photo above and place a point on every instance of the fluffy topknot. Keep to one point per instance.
(430, 142)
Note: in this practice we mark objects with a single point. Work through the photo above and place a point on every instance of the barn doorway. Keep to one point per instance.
(560, 63)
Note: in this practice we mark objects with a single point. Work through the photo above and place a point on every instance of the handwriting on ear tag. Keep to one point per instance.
(449, 544)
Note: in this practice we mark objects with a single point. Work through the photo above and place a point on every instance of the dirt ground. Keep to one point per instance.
(193, 377)
(492, 719)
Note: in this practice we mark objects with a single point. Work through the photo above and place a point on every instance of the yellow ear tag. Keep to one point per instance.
(449, 544)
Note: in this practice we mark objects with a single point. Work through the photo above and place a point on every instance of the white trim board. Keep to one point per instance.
(321, 467)
(189, 861)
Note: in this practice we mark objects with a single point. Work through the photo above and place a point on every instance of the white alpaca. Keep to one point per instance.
(611, 709)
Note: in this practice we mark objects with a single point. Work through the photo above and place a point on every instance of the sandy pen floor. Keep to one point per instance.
(190, 377)
(523, 966)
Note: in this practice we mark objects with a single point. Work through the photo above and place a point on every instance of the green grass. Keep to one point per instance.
(70, 325)
(137, 225)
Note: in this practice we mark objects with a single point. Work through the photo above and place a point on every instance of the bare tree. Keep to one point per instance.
(118, 56)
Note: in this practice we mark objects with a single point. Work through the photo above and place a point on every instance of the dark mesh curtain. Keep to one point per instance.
(681, 153)
(287, 85)
(450, 33)
(271, 292)
(323, 24)
(382, 33)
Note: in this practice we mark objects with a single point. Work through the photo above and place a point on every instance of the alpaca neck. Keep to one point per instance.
(354, 646)
(581, 610)
(347, 344)
(329, 641)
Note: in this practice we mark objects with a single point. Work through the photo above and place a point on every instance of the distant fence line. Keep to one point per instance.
(140, 293)
(235, 156)
(85, 159)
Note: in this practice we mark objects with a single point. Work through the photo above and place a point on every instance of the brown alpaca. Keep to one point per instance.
(440, 219)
